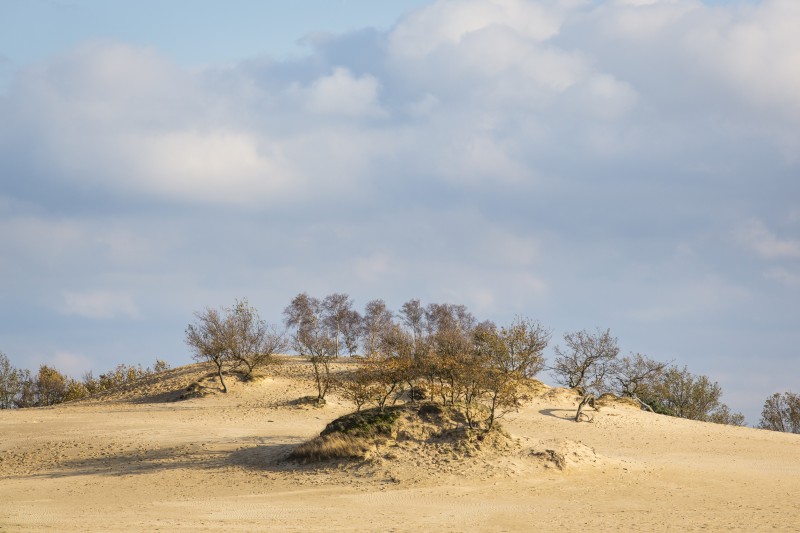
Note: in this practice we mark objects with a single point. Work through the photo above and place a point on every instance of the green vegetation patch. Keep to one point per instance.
(366, 424)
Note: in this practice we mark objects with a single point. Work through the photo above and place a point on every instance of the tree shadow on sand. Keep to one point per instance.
(253, 454)
(562, 414)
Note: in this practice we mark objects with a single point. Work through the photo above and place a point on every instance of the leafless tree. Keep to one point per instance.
(449, 331)
(208, 338)
(634, 375)
(376, 321)
(351, 330)
(9, 383)
(781, 413)
(586, 360)
(253, 343)
(312, 338)
(336, 308)
(412, 315)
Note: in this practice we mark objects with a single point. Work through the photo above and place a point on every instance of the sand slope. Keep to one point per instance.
(133, 461)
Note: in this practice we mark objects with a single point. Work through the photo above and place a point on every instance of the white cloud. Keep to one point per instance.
(447, 22)
(758, 238)
(345, 95)
(99, 304)
(71, 364)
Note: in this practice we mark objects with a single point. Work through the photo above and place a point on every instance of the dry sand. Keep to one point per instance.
(134, 461)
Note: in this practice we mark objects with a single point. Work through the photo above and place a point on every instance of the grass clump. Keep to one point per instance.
(348, 437)
(366, 424)
(327, 447)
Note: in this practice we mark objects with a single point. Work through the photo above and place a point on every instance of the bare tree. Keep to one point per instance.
(781, 413)
(634, 375)
(336, 308)
(412, 315)
(351, 330)
(586, 360)
(209, 338)
(449, 330)
(312, 339)
(253, 344)
(9, 383)
(376, 321)
(27, 395)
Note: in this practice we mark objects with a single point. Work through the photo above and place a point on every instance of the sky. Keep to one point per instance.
(627, 164)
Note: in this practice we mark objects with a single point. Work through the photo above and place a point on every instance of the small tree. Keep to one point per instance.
(412, 315)
(351, 329)
(160, 366)
(358, 386)
(680, 393)
(75, 390)
(51, 386)
(781, 413)
(9, 383)
(504, 359)
(724, 415)
(252, 343)
(27, 395)
(635, 375)
(312, 339)
(336, 310)
(375, 323)
(586, 360)
(209, 338)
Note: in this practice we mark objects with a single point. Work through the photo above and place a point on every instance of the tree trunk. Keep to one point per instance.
(587, 400)
(221, 381)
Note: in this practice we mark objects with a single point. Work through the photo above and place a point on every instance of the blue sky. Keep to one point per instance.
(630, 164)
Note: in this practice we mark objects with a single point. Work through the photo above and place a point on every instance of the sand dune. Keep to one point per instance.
(134, 460)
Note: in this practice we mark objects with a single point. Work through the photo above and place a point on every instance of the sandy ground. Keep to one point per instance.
(133, 461)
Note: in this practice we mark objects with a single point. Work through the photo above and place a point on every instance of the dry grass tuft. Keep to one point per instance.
(331, 446)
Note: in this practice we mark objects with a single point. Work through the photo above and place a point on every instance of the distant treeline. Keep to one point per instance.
(21, 388)
(441, 352)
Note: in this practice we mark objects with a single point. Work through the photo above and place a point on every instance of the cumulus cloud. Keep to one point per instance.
(343, 94)
(470, 90)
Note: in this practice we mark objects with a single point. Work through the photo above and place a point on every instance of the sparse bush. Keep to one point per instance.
(160, 366)
(358, 387)
(51, 386)
(781, 413)
(680, 393)
(76, 390)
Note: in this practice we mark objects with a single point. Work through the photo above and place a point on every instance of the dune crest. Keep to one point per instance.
(140, 458)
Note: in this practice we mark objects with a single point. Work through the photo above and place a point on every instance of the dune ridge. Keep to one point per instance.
(140, 458)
